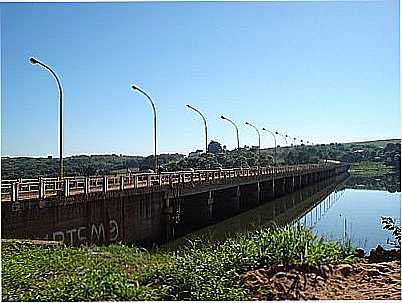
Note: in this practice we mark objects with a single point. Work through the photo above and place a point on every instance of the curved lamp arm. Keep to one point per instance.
(258, 132)
(274, 140)
(237, 130)
(205, 125)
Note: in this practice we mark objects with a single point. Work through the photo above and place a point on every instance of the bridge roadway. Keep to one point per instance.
(146, 207)
(189, 182)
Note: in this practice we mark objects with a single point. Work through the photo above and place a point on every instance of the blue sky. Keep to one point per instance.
(320, 71)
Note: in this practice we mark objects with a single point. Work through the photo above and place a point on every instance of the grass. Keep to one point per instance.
(197, 271)
(370, 169)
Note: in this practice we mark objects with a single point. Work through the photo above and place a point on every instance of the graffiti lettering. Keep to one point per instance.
(71, 232)
(80, 234)
(81, 237)
(114, 230)
(98, 231)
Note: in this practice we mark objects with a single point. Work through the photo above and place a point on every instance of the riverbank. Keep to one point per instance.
(244, 267)
(198, 271)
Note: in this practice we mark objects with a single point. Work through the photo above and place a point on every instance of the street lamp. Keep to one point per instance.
(274, 140)
(205, 125)
(283, 136)
(154, 110)
(286, 136)
(259, 138)
(34, 61)
(237, 130)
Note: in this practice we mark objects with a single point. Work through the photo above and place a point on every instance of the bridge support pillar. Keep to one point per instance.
(210, 204)
(293, 184)
(289, 185)
(280, 187)
(267, 191)
(249, 195)
(226, 202)
(197, 210)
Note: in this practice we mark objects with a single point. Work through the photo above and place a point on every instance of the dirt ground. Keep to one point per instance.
(360, 281)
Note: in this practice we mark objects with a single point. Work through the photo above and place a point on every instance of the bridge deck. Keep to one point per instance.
(41, 188)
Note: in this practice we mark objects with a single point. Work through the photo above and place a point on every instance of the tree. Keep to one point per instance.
(214, 147)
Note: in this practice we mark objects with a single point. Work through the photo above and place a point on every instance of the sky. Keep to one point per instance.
(318, 71)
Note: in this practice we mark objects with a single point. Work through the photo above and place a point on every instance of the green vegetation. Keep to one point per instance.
(386, 153)
(391, 225)
(198, 271)
(370, 168)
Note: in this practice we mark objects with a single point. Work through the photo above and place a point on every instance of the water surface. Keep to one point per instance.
(341, 208)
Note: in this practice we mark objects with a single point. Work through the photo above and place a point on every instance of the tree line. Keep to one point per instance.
(218, 156)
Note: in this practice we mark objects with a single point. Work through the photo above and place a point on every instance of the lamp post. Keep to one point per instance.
(237, 130)
(274, 141)
(35, 61)
(286, 136)
(205, 125)
(259, 137)
(154, 110)
(283, 136)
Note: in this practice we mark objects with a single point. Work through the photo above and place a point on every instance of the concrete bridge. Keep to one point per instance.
(145, 207)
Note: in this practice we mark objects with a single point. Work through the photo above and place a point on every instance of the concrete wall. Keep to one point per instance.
(103, 219)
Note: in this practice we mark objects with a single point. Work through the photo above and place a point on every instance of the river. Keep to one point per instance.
(343, 208)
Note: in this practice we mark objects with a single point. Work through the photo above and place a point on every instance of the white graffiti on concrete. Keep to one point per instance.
(92, 233)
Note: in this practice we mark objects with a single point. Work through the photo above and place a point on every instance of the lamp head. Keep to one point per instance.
(247, 123)
(33, 60)
(276, 133)
(222, 117)
(263, 128)
(135, 87)
(188, 105)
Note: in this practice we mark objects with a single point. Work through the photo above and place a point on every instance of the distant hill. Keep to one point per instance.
(376, 143)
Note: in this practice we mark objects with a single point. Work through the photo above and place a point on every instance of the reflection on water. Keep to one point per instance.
(388, 182)
(279, 211)
(339, 208)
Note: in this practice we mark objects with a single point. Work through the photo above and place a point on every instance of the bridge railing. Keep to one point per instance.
(40, 188)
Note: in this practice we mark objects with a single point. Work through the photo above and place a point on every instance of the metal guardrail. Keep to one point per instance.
(41, 188)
